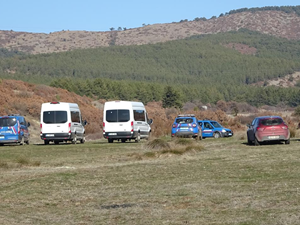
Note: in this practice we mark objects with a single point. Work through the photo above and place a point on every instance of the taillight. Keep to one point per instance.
(260, 129)
(19, 130)
(174, 126)
(41, 126)
(103, 127)
(131, 126)
(194, 125)
(69, 127)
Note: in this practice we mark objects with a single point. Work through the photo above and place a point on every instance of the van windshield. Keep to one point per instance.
(117, 115)
(55, 117)
(7, 122)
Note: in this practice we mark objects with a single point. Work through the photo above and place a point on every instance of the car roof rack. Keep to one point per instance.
(186, 115)
(13, 115)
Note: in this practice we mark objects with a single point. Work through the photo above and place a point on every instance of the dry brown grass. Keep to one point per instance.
(100, 183)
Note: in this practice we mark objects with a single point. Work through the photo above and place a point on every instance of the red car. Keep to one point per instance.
(266, 129)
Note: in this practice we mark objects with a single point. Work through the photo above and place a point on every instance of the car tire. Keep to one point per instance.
(56, 142)
(249, 141)
(217, 135)
(22, 141)
(46, 142)
(74, 141)
(287, 142)
(138, 138)
(110, 140)
(123, 140)
(82, 140)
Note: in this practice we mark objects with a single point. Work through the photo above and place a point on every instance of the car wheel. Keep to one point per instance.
(74, 141)
(22, 141)
(110, 140)
(217, 135)
(56, 142)
(138, 138)
(249, 141)
(123, 140)
(287, 142)
(82, 139)
(46, 142)
(27, 142)
(256, 142)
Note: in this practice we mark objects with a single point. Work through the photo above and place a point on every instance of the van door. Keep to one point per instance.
(140, 119)
(117, 120)
(9, 129)
(55, 122)
(76, 126)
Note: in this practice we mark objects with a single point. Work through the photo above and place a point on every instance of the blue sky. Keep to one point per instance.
(45, 16)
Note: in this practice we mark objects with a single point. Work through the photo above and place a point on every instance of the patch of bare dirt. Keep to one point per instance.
(287, 81)
(242, 48)
(275, 23)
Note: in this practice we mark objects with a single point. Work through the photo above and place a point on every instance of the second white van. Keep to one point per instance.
(124, 120)
(61, 122)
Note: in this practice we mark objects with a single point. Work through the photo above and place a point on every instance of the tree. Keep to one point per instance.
(172, 98)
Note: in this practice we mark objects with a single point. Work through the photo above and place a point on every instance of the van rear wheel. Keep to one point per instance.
(46, 142)
(82, 140)
(110, 140)
(138, 138)
(74, 141)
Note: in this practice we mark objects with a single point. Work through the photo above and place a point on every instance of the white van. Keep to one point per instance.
(61, 121)
(124, 120)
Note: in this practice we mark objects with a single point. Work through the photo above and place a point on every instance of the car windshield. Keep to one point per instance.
(216, 124)
(7, 122)
(271, 121)
(184, 120)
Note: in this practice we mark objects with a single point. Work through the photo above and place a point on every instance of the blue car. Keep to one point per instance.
(211, 128)
(14, 129)
(186, 126)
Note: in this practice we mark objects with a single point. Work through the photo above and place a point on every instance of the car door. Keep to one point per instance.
(251, 129)
(207, 129)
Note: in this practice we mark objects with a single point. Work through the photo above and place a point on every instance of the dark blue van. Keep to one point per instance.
(14, 129)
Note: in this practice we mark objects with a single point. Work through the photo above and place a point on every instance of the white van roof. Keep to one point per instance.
(59, 105)
(123, 104)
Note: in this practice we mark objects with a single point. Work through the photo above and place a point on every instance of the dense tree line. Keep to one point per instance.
(174, 95)
(200, 67)
(286, 9)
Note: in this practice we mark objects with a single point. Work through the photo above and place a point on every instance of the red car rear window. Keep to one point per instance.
(271, 122)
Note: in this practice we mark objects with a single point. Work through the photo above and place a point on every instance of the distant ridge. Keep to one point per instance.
(280, 22)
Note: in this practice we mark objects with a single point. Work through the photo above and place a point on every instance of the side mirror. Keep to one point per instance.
(28, 124)
(248, 125)
(150, 121)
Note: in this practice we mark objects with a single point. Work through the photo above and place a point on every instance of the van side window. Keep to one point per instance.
(75, 117)
(139, 115)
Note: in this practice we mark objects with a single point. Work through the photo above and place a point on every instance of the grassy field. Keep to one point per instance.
(222, 181)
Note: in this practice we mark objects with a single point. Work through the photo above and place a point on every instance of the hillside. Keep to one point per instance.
(208, 68)
(273, 22)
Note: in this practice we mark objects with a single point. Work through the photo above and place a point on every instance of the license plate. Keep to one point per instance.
(1, 137)
(49, 135)
(273, 137)
(184, 128)
(112, 134)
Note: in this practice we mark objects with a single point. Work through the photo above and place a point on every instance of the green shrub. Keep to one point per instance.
(158, 144)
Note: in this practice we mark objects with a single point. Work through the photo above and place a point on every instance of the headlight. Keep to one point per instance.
(223, 131)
